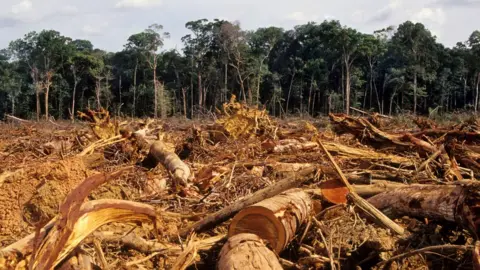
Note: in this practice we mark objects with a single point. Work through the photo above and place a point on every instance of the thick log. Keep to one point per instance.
(248, 252)
(452, 203)
(275, 220)
(227, 212)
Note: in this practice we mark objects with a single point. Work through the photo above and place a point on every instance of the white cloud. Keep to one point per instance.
(297, 16)
(436, 15)
(138, 3)
(94, 30)
(385, 13)
(69, 10)
(21, 7)
(300, 17)
(358, 16)
(328, 17)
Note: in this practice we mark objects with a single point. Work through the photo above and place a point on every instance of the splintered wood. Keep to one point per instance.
(242, 191)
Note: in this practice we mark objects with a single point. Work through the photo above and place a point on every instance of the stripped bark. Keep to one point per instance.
(275, 220)
(70, 229)
(247, 251)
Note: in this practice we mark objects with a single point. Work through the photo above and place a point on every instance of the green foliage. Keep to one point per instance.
(314, 67)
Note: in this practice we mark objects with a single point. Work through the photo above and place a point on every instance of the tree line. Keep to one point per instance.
(312, 69)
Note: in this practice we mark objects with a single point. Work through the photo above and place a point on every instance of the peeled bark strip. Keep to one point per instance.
(247, 252)
(453, 203)
(275, 220)
(62, 239)
(160, 153)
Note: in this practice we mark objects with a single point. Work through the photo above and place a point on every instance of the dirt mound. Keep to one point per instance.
(32, 195)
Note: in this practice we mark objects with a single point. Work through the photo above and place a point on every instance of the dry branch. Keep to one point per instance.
(359, 201)
(443, 248)
(229, 211)
(275, 220)
(249, 252)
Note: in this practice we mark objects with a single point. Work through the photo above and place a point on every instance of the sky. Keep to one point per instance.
(109, 23)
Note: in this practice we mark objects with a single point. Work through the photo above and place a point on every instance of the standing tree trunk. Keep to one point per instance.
(289, 92)
(12, 99)
(477, 82)
(37, 97)
(200, 90)
(380, 110)
(37, 85)
(98, 87)
(310, 95)
(465, 92)
(75, 83)
(135, 88)
(347, 85)
(225, 87)
(415, 91)
(184, 95)
(258, 83)
(161, 95)
(120, 89)
(47, 84)
(155, 87)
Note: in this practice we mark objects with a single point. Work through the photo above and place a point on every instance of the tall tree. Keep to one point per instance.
(416, 46)
(148, 43)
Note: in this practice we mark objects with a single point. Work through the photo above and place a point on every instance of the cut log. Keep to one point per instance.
(247, 252)
(227, 212)
(275, 220)
(161, 153)
(452, 203)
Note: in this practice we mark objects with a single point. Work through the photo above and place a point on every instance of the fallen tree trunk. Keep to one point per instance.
(275, 220)
(227, 212)
(247, 251)
(453, 203)
(160, 153)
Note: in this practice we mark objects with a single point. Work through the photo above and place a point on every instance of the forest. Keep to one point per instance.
(312, 69)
